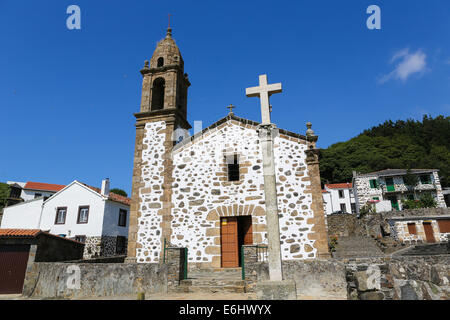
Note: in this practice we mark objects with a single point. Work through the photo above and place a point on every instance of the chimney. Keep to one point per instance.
(105, 187)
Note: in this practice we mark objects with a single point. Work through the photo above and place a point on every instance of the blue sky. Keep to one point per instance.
(67, 97)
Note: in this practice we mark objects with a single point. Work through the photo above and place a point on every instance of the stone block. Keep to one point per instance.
(276, 290)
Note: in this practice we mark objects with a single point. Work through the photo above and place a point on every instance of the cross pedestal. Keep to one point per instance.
(267, 133)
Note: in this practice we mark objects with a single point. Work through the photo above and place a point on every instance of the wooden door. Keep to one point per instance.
(13, 265)
(229, 241)
(428, 232)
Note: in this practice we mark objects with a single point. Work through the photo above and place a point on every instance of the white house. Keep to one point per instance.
(78, 211)
(338, 197)
(32, 190)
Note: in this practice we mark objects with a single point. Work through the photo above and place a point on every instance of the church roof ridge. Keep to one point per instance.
(229, 117)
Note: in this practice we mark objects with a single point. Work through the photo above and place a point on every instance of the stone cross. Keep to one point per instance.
(267, 133)
(231, 107)
(264, 91)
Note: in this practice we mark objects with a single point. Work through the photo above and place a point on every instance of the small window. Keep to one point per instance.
(341, 193)
(121, 245)
(353, 206)
(37, 195)
(81, 239)
(160, 62)
(343, 207)
(122, 218)
(233, 168)
(412, 228)
(425, 179)
(83, 214)
(373, 183)
(61, 215)
(376, 198)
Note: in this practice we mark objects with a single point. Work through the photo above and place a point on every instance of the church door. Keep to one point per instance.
(229, 241)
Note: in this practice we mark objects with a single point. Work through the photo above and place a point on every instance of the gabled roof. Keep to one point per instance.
(339, 186)
(230, 117)
(112, 196)
(43, 186)
(396, 172)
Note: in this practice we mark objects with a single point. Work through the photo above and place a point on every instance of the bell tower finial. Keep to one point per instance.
(169, 29)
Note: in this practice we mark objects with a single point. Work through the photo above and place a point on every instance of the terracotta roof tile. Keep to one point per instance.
(26, 233)
(112, 196)
(339, 186)
(43, 186)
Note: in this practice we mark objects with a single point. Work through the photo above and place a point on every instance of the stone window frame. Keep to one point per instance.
(122, 212)
(236, 158)
(79, 211)
(57, 212)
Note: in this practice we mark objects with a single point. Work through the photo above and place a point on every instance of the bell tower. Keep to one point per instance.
(163, 110)
(165, 85)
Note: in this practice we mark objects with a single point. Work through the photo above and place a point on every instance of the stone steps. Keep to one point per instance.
(227, 280)
(357, 247)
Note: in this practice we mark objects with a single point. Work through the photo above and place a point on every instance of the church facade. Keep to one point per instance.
(206, 192)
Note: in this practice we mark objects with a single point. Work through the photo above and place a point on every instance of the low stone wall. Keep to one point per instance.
(313, 278)
(66, 280)
(395, 278)
(399, 278)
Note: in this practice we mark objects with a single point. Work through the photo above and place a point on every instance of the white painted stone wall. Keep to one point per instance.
(149, 223)
(199, 188)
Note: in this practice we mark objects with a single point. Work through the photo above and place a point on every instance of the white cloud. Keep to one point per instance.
(407, 65)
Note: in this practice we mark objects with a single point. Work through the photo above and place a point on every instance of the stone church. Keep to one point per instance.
(206, 192)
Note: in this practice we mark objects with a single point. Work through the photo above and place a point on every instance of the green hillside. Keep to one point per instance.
(401, 144)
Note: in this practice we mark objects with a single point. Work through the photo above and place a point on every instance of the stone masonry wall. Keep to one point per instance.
(400, 278)
(202, 193)
(149, 222)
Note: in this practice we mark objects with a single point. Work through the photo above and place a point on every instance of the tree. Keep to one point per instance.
(396, 145)
(4, 194)
(119, 192)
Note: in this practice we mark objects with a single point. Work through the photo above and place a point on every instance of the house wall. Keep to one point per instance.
(327, 206)
(73, 197)
(201, 193)
(348, 199)
(401, 228)
(111, 219)
(30, 194)
(24, 215)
